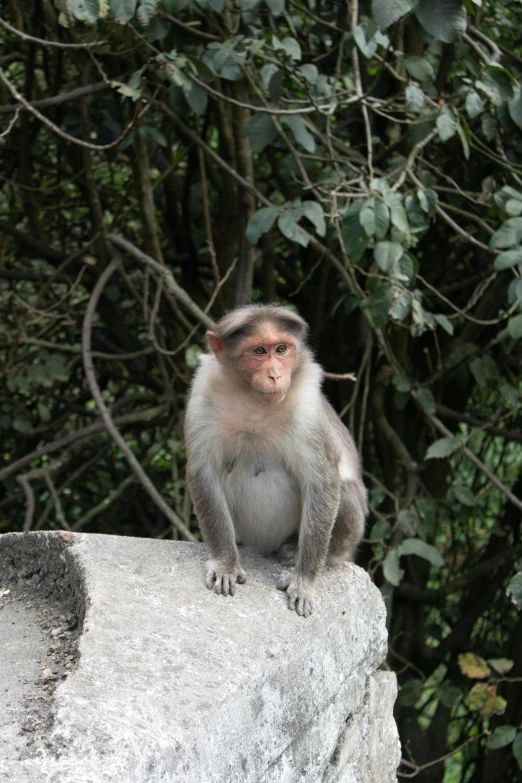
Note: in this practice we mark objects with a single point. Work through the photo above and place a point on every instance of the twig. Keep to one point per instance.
(469, 454)
(11, 123)
(44, 42)
(168, 278)
(420, 767)
(206, 215)
(59, 132)
(360, 92)
(29, 499)
(56, 100)
(98, 426)
(104, 411)
(334, 376)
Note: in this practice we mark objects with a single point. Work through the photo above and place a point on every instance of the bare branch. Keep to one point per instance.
(167, 276)
(59, 132)
(104, 411)
(92, 429)
(44, 42)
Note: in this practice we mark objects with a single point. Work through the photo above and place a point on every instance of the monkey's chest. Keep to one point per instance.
(264, 499)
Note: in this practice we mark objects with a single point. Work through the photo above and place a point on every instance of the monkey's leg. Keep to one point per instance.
(320, 509)
(349, 525)
(287, 552)
(215, 522)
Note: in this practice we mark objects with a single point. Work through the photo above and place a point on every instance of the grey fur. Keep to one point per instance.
(259, 474)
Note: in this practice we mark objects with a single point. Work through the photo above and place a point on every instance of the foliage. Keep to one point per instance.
(362, 161)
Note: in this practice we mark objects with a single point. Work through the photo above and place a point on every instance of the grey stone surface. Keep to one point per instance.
(176, 684)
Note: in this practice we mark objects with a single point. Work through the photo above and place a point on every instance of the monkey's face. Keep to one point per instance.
(266, 361)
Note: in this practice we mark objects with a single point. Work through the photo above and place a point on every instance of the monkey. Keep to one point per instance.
(270, 465)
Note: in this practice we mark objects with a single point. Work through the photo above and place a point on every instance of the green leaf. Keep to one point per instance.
(414, 546)
(380, 530)
(146, 11)
(446, 125)
(488, 124)
(367, 216)
(85, 10)
(508, 235)
(485, 371)
(260, 222)
(22, 424)
(310, 72)
(517, 749)
(301, 133)
(289, 45)
(464, 495)
(515, 291)
(401, 382)
(260, 131)
(501, 665)
(277, 7)
(315, 214)
(355, 238)
(464, 135)
(382, 218)
(414, 99)
(123, 10)
(514, 589)
(426, 399)
(445, 322)
(368, 46)
(386, 12)
(508, 259)
(288, 227)
(407, 521)
(267, 71)
(510, 394)
(419, 68)
(515, 327)
(410, 693)
(442, 448)
(401, 304)
(390, 568)
(502, 736)
(397, 213)
(193, 356)
(387, 254)
(515, 107)
(197, 99)
(474, 104)
(497, 83)
(443, 19)
(380, 303)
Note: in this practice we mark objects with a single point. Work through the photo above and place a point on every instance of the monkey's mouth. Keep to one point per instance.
(273, 396)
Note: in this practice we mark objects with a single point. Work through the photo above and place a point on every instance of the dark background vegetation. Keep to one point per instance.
(361, 162)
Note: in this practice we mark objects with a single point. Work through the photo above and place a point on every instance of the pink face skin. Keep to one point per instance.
(265, 362)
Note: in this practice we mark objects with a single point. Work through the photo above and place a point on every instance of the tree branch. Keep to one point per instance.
(104, 411)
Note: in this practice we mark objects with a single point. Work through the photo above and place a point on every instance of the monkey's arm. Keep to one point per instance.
(321, 495)
(216, 525)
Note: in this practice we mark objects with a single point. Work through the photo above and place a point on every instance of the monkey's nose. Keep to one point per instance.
(274, 375)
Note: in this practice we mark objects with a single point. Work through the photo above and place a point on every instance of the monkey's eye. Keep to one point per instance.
(259, 351)
(281, 348)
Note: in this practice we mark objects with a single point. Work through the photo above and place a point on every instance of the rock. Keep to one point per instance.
(175, 683)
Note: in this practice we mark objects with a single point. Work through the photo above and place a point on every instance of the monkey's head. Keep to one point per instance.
(262, 346)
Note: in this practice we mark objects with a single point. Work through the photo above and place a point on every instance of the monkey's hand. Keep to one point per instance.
(299, 595)
(221, 579)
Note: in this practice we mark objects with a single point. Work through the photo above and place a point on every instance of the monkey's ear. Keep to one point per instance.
(215, 342)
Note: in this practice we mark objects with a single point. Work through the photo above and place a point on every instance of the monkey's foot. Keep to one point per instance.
(222, 580)
(299, 598)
